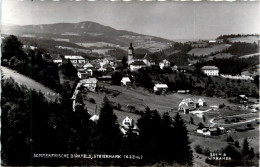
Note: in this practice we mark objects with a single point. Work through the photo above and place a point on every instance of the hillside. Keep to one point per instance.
(30, 83)
(86, 34)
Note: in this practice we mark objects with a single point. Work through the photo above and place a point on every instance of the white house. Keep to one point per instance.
(127, 122)
(94, 118)
(204, 131)
(90, 83)
(164, 63)
(184, 106)
(87, 65)
(125, 81)
(160, 87)
(83, 74)
(75, 59)
(191, 103)
(201, 102)
(210, 70)
(136, 65)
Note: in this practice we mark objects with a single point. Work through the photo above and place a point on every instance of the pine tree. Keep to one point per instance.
(183, 152)
(109, 134)
(245, 148)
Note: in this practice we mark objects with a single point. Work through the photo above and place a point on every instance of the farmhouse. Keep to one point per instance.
(160, 88)
(127, 122)
(211, 131)
(184, 107)
(75, 59)
(90, 83)
(201, 102)
(210, 70)
(125, 81)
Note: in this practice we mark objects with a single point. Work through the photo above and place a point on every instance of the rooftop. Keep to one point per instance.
(209, 68)
(74, 57)
(138, 63)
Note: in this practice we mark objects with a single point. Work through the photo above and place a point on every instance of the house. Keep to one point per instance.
(92, 71)
(205, 131)
(186, 69)
(175, 68)
(183, 91)
(83, 74)
(87, 65)
(128, 122)
(57, 59)
(242, 99)
(125, 81)
(164, 63)
(90, 83)
(160, 88)
(136, 65)
(75, 59)
(184, 107)
(191, 103)
(210, 70)
(211, 131)
(201, 102)
(94, 118)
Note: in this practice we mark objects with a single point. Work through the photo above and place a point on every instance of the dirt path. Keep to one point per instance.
(236, 123)
(28, 82)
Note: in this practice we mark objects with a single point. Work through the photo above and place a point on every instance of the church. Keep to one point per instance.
(137, 61)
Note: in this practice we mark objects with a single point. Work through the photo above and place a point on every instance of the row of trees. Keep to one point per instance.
(34, 66)
(30, 124)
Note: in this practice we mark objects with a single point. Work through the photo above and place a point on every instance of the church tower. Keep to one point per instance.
(130, 54)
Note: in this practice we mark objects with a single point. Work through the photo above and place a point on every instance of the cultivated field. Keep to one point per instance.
(207, 51)
(219, 56)
(248, 39)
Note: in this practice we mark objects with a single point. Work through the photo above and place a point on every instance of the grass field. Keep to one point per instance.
(219, 56)
(207, 51)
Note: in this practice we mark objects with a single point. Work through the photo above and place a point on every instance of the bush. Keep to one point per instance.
(237, 144)
(206, 151)
(229, 139)
(198, 149)
(91, 100)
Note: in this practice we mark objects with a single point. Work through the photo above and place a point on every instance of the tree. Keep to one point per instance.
(191, 120)
(237, 144)
(245, 148)
(183, 152)
(11, 46)
(201, 126)
(256, 80)
(251, 153)
(229, 139)
(124, 62)
(204, 118)
(109, 134)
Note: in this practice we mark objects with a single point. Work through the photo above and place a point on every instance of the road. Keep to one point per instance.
(28, 82)
(235, 123)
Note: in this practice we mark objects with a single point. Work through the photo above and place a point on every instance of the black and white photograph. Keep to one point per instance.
(130, 83)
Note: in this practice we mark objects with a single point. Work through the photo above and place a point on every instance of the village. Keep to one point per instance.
(128, 100)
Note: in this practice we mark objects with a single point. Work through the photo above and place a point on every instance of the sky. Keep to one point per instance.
(170, 20)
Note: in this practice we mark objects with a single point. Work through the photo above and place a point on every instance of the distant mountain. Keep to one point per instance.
(86, 32)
